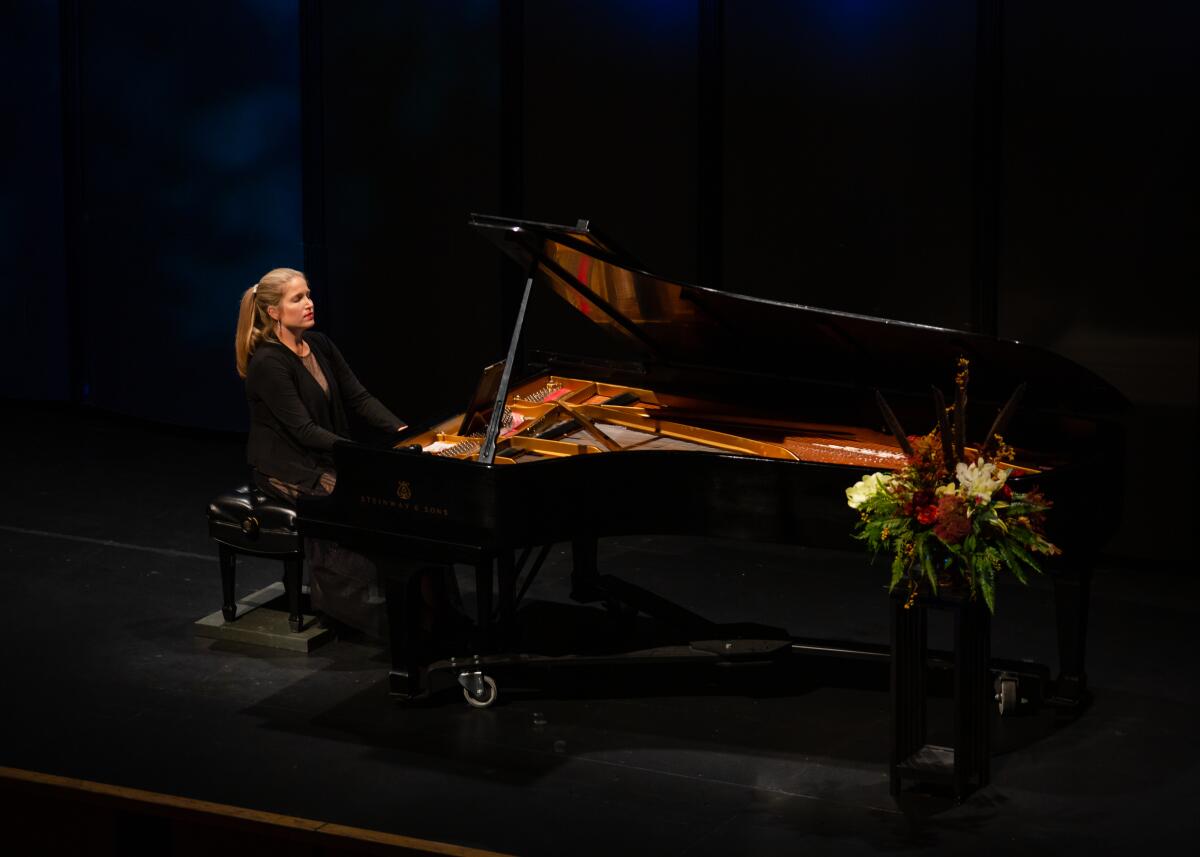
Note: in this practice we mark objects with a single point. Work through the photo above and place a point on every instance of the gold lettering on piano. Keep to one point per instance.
(404, 490)
(404, 506)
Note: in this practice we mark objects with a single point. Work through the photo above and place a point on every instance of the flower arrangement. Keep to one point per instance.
(948, 516)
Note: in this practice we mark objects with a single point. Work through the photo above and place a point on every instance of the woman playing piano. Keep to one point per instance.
(301, 392)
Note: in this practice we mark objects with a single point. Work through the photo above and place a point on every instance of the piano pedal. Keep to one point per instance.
(742, 664)
(743, 651)
(619, 610)
(587, 594)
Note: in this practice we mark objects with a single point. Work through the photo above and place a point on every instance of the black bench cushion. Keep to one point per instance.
(253, 522)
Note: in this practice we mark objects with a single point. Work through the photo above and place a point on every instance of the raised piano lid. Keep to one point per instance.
(685, 326)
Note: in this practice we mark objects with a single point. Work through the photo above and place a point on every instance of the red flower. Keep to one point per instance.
(927, 514)
(1005, 491)
(952, 523)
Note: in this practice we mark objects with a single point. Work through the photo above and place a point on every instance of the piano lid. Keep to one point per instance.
(681, 325)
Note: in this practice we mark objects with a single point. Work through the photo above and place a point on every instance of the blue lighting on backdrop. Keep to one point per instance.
(191, 116)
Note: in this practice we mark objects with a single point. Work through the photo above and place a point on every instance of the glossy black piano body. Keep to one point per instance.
(789, 383)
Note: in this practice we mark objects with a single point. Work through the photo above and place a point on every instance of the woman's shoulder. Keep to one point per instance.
(324, 346)
(319, 340)
(265, 357)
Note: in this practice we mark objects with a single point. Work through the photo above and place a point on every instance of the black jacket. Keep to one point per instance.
(293, 426)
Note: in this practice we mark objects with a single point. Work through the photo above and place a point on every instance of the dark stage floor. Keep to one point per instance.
(106, 564)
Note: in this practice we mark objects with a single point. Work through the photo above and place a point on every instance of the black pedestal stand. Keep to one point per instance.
(964, 766)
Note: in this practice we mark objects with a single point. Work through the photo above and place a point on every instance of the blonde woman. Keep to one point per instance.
(299, 387)
(301, 392)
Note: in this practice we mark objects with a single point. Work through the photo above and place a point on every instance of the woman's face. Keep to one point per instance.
(295, 310)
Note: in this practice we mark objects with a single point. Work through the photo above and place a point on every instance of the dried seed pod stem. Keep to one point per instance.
(1000, 426)
(893, 424)
(960, 410)
(943, 424)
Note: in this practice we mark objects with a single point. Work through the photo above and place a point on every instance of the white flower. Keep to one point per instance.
(866, 488)
(980, 479)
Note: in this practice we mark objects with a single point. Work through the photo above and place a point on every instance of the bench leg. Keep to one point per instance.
(292, 580)
(228, 573)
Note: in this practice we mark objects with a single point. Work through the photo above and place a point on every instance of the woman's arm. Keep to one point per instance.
(356, 397)
(273, 382)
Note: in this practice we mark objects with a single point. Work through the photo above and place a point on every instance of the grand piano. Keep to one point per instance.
(736, 417)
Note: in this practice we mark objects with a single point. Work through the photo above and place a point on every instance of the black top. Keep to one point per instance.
(293, 424)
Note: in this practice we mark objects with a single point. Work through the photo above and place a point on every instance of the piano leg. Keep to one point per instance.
(404, 629)
(1072, 594)
(585, 577)
(506, 573)
(483, 600)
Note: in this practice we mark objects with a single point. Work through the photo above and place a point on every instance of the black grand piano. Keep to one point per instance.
(739, 417)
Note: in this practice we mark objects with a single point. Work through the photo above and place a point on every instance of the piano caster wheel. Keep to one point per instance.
(479, 690)
(1006, 694)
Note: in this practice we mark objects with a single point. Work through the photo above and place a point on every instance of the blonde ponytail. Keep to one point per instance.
(254, 322)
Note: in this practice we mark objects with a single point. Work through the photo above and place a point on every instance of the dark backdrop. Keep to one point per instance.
(411, 144)
(34, 349)
(1020, 168)
(176, 167)
(1099, 229)
(848, 155)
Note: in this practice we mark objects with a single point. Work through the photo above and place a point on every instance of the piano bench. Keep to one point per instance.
(247, 521)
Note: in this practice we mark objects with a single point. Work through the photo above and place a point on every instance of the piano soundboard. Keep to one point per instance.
(550, 416)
